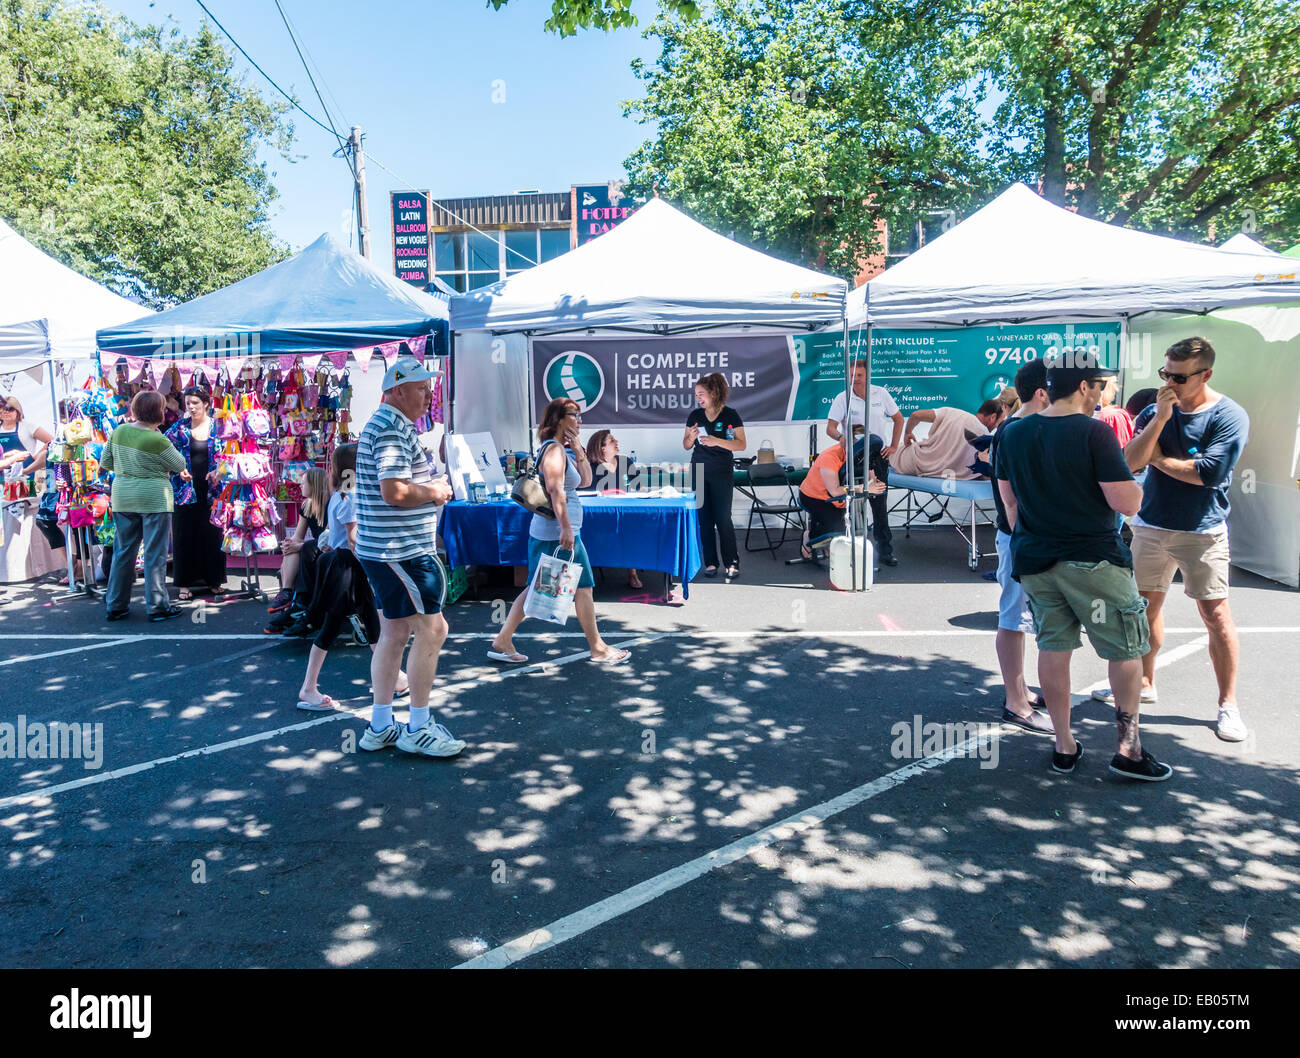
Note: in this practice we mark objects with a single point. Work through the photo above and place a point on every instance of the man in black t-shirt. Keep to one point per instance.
(1014, 619)
(1062, 477)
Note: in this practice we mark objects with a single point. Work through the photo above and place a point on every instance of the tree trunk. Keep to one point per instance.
(1053, 146)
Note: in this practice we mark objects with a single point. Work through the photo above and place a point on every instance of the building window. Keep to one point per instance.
(554, 242)
(470, 260)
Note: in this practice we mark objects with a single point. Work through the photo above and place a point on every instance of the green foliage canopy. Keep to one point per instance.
(130, 153)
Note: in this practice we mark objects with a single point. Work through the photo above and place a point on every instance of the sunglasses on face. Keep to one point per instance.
(1176, 378)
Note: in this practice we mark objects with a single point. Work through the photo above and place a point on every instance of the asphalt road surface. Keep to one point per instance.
(748, 791)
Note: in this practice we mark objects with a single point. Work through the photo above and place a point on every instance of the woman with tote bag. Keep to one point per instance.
(563, 468)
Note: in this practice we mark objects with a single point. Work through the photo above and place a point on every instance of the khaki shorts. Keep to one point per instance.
(1202, 558)
(1094, 595)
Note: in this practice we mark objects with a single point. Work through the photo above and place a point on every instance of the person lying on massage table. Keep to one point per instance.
(947, 450)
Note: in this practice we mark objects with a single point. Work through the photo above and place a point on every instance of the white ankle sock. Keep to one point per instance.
(380, 716)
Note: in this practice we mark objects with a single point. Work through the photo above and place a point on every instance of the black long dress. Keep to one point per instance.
(197, 558)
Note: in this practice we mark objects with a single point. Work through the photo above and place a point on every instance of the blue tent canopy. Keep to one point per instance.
(323, 299)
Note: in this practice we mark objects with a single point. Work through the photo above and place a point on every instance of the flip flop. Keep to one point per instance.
(325, 705)
(617, 658)
(402, 691)
(185, 595)
(507, 659)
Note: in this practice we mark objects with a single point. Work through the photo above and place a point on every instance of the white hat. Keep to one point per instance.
(406, 369)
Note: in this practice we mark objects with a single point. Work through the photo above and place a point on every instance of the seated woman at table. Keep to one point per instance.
(300, 551)
(563, 468)
(822, 492)
(609, 471)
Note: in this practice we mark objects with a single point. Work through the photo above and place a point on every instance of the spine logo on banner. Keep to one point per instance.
(575, 376)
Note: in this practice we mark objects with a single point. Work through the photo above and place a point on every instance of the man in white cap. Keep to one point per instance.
(397, 501)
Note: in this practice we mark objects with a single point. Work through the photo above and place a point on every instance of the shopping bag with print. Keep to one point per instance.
(552, 588)
(230, 423)
(257, 421)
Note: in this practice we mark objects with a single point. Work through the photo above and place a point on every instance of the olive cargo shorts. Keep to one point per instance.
(1094, 595)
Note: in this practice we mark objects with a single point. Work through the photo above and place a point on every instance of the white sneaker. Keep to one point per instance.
(431, 740)
(373, 739)
(1231, 728)
(1105, 694)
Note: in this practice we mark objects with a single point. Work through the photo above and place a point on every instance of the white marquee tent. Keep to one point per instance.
(1020, 258)
(34, 286)
(658, 272)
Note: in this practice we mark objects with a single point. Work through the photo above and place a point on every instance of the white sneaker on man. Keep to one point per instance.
(373, 739)
(1231, 728)
(1105, 694)
(431, 740)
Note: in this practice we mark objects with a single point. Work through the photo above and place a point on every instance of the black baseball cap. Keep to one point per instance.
(1066, 368)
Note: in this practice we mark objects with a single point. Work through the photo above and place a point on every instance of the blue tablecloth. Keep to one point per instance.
(621, 532)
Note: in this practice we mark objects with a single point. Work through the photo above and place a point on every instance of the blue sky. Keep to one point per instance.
(419, 79)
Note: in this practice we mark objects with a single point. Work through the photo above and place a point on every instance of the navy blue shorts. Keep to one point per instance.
(411, 586)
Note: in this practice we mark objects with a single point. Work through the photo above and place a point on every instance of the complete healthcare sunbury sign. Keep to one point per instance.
(778, 378)
(959, 367)
(651, 381)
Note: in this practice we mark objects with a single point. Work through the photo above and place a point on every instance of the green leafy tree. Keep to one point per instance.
(798, 125)
(570, 16)
(130, 153)
(1178, 116)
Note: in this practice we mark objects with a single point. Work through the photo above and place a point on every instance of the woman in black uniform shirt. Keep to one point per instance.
(713, 433)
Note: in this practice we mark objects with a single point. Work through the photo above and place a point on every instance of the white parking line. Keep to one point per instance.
(676, 633)
(565, 929)
(116, 641)
(43, 792)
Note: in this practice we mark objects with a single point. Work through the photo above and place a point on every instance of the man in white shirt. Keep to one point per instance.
(884, 423)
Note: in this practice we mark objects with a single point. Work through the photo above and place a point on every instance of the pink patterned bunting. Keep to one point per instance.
(286, 362)
(363, 358)
(234, 364)
(339, 358)
(417, 346)
(311, 363)
(390, 351)
(211, 372)
(159, 369)
(134, 365)
(187, 374)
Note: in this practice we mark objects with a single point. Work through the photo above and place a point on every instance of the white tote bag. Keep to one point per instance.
(552, 588)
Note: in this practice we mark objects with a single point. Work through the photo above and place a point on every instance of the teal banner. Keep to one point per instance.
(959, 367)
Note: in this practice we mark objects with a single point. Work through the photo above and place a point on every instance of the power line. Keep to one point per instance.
(338, 107)
(451, 213)
(268, 77)
(294, 38)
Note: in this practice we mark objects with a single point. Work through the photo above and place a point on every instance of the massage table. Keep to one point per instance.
(940, 492)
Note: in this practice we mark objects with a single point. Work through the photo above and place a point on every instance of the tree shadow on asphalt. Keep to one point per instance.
(582, 781)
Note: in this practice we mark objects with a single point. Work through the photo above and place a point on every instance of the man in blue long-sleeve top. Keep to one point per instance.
(1190, 440)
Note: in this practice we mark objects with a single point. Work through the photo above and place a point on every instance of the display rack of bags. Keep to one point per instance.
(243, 509)
(76, 486)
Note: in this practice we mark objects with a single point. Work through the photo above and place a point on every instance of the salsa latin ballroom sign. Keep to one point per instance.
(411, 237)
(651, 381)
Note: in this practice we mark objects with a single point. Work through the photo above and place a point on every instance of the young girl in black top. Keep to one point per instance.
(714, 432)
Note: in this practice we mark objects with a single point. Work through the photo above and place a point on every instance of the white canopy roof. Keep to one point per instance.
(1243, 243)
(657, 271)
(1022, 258)
(33, 286)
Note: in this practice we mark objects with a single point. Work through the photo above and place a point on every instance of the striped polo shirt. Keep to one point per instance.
(389, 448)
(141, 461)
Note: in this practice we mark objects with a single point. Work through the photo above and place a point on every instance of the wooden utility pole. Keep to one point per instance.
(359, 175)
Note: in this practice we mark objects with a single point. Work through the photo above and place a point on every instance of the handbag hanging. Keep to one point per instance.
(529, 492)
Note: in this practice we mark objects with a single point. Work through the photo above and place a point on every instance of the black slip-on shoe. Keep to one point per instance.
(1065, 763)
(1035, 721)
(164, 615)
(117, 615)
(1148, 769)
(887, 558)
